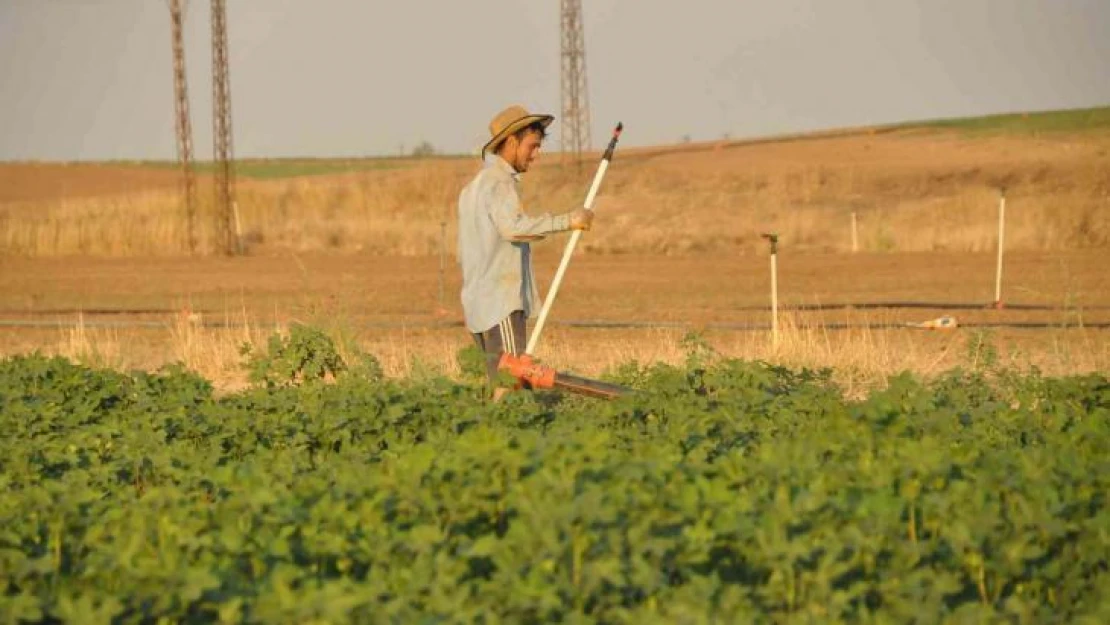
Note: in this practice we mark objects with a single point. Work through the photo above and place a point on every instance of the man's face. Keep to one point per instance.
(523, 151)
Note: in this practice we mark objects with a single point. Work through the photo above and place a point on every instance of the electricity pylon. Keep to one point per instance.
(221, 130)
(576, 107)
(183, 128)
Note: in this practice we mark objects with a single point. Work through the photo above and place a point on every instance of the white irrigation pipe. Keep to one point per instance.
(569, 250)
(1001, 244)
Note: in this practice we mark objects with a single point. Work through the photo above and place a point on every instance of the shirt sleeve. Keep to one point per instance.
(513, 224)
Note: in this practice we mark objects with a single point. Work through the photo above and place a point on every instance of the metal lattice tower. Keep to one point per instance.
(221, 130)
(183, 127)
(576, 107)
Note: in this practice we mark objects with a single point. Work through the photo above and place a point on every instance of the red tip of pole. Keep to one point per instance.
(619, 128)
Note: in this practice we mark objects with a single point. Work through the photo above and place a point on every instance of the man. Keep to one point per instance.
(499, 289)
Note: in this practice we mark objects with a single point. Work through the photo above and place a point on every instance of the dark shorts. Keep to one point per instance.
(508, 336)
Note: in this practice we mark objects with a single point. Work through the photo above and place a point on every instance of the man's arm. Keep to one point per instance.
(514, 225)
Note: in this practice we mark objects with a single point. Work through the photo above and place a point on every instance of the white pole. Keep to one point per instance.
(855, 236)
(569, 250)
(773, 239)
(774, 300)
(238, 228)
(1001, 245)
(442, 252)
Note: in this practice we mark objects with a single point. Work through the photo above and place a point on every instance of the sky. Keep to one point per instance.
(92, 79)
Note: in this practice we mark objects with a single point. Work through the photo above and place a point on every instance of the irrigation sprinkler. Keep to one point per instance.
(569, 250)
(773, 239)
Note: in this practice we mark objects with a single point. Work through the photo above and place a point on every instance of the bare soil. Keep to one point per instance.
(686, 290)
(47, 181)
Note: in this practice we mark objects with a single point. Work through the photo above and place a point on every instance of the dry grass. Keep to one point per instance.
(861, 358)
(90, 346)
(397, 212)
(910, 191)
(213, 352)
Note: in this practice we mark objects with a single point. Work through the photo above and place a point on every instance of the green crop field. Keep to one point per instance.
(724, 491)
(268, 169)
(1071, 121)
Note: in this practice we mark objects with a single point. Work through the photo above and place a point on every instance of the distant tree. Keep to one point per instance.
(685, 138)
(424, 148)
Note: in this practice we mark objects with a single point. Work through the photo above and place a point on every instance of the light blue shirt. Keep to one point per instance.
(494, 250)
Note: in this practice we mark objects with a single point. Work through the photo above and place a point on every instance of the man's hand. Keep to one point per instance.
(581, 219)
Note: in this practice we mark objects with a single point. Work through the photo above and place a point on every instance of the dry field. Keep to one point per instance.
(96, 271)
(43, 184)
(144, 312)
(911, 191)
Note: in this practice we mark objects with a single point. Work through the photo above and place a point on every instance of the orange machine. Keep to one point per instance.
(536, 375)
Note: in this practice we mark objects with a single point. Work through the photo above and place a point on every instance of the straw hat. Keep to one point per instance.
(511, 120)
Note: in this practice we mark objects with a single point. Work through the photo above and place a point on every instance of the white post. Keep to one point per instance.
(238, 228)
(774, 241)
(442, 252)
(1001, 245)
(774, 300)
(855, 236)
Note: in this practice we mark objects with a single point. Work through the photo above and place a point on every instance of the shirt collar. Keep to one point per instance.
(495, 160)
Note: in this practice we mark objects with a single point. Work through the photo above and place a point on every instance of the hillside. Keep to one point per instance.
(919, 186)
